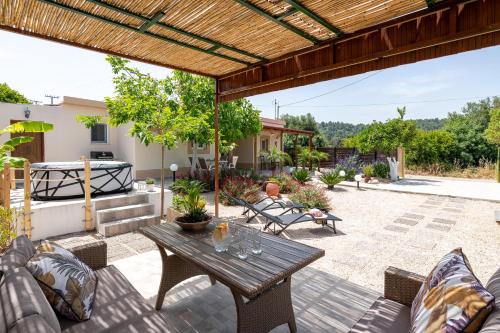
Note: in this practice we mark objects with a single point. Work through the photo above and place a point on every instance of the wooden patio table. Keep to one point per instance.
(260, 284)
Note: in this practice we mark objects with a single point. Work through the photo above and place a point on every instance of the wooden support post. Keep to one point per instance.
(216, 141)
(27, 200)
(6, 185)
(13, 179)
(254, 149)
(401, 160)
(88, 208)
(310, 149)
(295, 150)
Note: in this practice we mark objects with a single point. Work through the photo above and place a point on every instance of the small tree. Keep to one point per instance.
(237, 119)
(147, 103)
(9, 95)
(10, 145)
(492, 135)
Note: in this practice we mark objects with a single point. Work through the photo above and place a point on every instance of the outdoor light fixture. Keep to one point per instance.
(358, 178)
(173, 168)
(27, 113)
(342, 173)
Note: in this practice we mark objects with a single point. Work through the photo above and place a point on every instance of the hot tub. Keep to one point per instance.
(65, 180)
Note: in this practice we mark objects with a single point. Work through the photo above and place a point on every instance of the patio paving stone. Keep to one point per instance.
(406, 221)
(396, 228)
(414, 216)
(443, 221)
(438, 227)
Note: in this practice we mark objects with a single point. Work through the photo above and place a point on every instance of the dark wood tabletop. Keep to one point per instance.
(280, 258)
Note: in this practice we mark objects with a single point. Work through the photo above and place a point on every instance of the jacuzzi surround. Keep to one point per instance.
(106, 177)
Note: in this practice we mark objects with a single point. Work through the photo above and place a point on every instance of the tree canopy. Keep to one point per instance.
(467, 129)
(238, 119)
(386, 137)
(9, 95)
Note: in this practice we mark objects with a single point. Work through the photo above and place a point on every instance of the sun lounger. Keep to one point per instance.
(267, 203)
(284, 220)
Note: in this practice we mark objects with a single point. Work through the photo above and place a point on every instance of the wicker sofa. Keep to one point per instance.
(118, 307)
(391, 313)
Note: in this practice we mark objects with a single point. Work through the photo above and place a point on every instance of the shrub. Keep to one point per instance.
(381, 170)
(182, 186)
(239, 187)
(301, 175)
(351, 166)
(286, 183)
(429, 147)
(311, 197)
(331, 178)
(8, 226)
(369, 171)
(193, 205)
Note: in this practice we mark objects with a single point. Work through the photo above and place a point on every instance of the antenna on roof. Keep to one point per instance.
(52, 97)
(276, 109)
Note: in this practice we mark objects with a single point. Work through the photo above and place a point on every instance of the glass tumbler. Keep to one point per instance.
(256, 239)
(243, 246)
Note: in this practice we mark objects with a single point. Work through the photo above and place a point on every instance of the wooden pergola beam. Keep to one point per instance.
(315, 17)
(427, 34)
(278, 21)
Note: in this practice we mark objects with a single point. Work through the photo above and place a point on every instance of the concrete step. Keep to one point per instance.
(118, 227)
(120, 200)
(123, 212)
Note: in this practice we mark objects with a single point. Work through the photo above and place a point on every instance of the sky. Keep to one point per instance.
(428, 89)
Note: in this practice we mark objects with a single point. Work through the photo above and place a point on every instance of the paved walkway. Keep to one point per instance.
(454, 187)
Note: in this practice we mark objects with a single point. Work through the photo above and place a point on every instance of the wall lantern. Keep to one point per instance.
(27, 113)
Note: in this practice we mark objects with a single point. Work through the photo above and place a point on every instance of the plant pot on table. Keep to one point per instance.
(187, 224)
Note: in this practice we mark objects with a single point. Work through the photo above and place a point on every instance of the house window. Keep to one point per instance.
(264, 145)
(99, 133)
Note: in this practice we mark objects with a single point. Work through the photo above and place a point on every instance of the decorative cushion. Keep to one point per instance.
(68, 283)
(21, 250)
(451, 299)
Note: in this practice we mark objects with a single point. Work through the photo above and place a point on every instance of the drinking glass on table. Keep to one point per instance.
(256, 239)
(242, 244)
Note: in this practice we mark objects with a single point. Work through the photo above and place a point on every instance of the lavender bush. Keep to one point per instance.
(351, 165)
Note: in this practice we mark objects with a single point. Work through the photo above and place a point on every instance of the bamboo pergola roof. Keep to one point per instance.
(254, 46)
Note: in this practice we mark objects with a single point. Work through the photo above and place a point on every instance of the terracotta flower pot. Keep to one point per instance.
(272, 189)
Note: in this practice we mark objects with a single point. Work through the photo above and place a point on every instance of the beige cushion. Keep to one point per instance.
(492, 324)
(384, 316)
(20, 298)
(34, 323)
(17, 255)
(118, 307)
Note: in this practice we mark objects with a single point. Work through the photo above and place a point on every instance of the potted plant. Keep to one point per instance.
(195, 217)
(150, 184)
(272, 188)
(368, 172)
(331, 178)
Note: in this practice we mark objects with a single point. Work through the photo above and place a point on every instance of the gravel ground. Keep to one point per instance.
(408, 231)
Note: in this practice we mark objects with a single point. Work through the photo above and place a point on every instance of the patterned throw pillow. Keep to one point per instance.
(68, 283)
(451, 300)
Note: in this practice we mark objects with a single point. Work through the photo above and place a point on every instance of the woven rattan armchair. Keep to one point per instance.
(401, 286)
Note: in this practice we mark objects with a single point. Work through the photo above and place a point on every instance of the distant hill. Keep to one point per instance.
(430, 124)
(336, 131)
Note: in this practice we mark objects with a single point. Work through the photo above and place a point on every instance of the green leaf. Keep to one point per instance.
(28, 127)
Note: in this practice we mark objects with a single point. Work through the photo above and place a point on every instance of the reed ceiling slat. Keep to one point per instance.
(212, 37)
